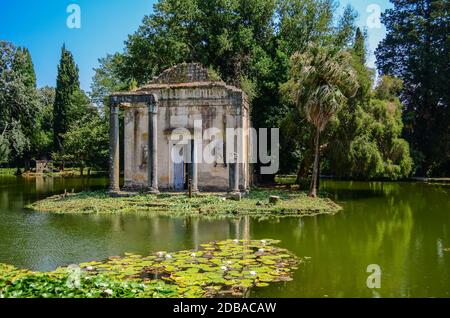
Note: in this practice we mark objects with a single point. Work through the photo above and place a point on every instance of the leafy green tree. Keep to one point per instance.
(42, 138)
(24, 68)
(18, 101)
(301, 22)
(376, 150)
(388, 88)
(368, 128)
(107, 79)
(4, 147)
(343, 127)
(322, 79)
(86, 143)
(23, 65)
(417, 50)
(359, 45)
(67, 87)
(304, 21)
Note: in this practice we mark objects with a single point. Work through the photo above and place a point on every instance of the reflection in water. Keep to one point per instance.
(403, 227)
(44, 184)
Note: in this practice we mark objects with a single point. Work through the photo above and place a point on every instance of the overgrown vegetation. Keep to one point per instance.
(225, 268)
(291, 203)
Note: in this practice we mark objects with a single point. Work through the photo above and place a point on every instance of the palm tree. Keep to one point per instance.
(322, 79)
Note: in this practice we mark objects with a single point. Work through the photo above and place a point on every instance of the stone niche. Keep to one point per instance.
(42, 166)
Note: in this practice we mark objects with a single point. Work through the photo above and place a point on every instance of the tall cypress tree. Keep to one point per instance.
(23, 66)
(67, 84)
(359, 47)
(30, 80)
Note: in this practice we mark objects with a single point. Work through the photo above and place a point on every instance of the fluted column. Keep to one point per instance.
(194, 167)
(236, 173)
(114, 157)
(153, 147)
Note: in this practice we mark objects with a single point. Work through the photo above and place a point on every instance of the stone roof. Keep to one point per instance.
(183, 76)
(185, 73)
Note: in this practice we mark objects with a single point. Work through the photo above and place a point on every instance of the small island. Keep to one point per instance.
(259, 203)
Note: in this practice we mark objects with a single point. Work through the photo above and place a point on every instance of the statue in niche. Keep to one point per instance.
(144, 159)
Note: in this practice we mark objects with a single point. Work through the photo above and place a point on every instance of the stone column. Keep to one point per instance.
(114, 158)
(153, 147)
(194, 167)
(235, 191)
(129, 148)
(236, 165)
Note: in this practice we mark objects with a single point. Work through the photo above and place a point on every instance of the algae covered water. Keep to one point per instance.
(401, 227)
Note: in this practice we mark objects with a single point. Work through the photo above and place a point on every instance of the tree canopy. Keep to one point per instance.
(417, 50)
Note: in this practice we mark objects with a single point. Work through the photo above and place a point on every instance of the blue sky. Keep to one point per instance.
(41, 27)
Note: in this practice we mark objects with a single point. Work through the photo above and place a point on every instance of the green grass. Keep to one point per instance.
(285, 179)
(68, 172)
(7, 171)
(292, 203)
(72, 172)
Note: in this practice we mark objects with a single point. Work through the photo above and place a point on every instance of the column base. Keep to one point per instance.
(152, 191)
(234, 195)
(114, 193)
(194, 192)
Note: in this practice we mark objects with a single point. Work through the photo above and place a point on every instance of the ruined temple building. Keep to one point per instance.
(158, 115)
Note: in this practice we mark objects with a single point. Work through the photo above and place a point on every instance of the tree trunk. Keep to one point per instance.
(318, 171)
(303, 169)
(27, 164)
(314, 178)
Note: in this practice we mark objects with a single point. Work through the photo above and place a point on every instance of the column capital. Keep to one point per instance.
(133, 97)
(152, 108)
(239, 110)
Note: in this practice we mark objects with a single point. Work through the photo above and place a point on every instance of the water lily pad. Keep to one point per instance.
(225, 268)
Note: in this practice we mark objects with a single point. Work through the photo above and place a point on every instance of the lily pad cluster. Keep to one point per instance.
(218, 269)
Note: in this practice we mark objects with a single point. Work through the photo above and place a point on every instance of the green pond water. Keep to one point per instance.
(402, 227)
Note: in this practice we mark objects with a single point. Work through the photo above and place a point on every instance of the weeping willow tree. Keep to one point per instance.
(321, 81)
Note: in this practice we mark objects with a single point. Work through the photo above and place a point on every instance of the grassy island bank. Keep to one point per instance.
(257, 203)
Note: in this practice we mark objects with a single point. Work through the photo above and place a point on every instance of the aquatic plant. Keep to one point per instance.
(219, 269)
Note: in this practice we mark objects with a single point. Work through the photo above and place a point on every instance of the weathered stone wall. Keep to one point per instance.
(179, 105)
